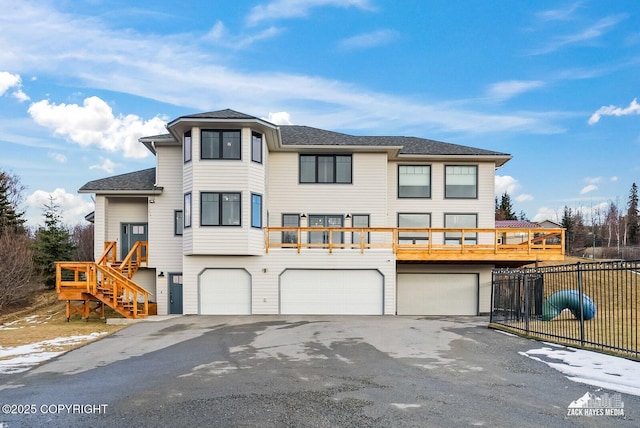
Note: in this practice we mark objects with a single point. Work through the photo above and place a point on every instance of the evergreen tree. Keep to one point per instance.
(504, 211)
(567, 224)
(53, 243)
(633, 227)
(10, 219)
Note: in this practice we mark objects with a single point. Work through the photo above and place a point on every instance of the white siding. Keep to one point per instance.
(165, 248)
(265, 272)
(243, 176)
(366, 194)
(124, 210)
(99, 226)
(437, 205)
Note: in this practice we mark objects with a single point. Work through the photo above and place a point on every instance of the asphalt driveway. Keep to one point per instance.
(269, 371)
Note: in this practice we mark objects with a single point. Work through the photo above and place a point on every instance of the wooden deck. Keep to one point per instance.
(445, 245)
(89, 286)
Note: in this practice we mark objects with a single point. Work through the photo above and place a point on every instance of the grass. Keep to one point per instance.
(616, 294)
(45, 320)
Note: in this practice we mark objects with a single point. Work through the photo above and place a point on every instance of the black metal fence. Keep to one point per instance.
(589, 305)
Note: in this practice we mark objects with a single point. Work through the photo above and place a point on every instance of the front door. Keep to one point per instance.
(130, 234)
(175, 293)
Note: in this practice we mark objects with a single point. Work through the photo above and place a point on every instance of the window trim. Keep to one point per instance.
(415, 238)
(187, 210)
(476, 166)
(176, 222)
(220, 149)
(259, 226)
(220, 209)
(326, 217)
(414, 197)
(253, 148)
(293, 234)
(335, 168)
(471, 238)
(187, 149)
(357, 234)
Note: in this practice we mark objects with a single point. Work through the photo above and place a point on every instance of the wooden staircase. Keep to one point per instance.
(89, 286)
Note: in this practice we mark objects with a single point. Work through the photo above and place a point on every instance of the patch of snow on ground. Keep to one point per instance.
(591, 368)
(18, 359)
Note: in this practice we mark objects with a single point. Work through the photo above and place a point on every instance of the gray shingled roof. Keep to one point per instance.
(219, 114)
(133, 181)
(306, 135)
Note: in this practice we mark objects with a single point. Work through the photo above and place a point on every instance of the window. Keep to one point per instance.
(325, 221)
(178, 222)
(187, 210)
(219, 144)
(358, 221)
(290, 220)
(415, 221)
(325, 169)
(256, 210)
(187, 146)
(461, 181)
(414, 181)
(460, 221)
(219, 209)
(256, 147)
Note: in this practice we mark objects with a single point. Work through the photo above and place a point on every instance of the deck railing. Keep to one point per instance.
(426, 243)
(84, 281)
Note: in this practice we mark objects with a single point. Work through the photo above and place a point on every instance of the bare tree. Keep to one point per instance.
(17, 270)
(82, 239)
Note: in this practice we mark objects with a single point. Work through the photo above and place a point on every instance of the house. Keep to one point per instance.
(242, 216)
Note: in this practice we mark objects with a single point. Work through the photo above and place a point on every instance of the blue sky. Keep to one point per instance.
(555, 84)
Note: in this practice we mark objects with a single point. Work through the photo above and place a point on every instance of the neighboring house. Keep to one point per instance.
(246, 217)
(523, 231)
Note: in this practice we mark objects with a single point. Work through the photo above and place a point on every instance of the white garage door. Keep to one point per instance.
(437, 294)
(225, 292)
(331, 292)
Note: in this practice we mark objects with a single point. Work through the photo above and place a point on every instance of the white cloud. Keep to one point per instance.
(546, 213)
(72, 207)
(93, 124)
(369, 40)
(106, 165)
(561, 14)
(613, 179)
(8, 81)
(511, 88)
(281, 9)
(588, 188)
(280, 118)
(103, 61)
(20, 95)
(505, 183)
(593, 32)
(58, 157)
(634, 108)
(524, 197)
(219, 35)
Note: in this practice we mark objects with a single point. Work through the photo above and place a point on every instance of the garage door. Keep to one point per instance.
(225, 292)
(331, 292)
(437, 294)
